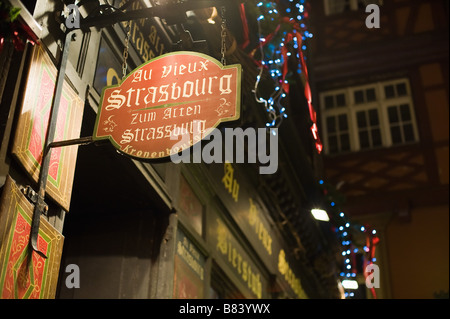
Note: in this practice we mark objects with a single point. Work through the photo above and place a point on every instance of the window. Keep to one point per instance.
(340, 6)
(338, 133)
(369, 131)
(368, 117)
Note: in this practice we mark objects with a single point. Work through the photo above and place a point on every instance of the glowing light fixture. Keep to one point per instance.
(350, 284)
(320, 214)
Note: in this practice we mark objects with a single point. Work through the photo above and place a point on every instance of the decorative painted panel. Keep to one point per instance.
(33, 125)
(24, 274)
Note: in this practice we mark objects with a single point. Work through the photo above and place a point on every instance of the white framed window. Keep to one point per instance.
(340, 6)
(368, 117)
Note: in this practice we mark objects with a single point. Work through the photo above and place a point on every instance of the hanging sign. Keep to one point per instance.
(168, 104)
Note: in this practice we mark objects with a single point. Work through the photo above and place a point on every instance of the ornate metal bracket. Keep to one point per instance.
(105, 15)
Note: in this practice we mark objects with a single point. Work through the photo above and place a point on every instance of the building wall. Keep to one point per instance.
(418, 254)
(403, 190)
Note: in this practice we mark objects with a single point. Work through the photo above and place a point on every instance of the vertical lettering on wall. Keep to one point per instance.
(238, 260)
(260, 229)
(230, 182)
(285, 270)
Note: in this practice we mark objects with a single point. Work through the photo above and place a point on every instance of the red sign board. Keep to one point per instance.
(177, 96)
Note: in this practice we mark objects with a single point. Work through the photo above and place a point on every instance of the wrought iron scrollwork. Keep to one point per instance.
(105, 14)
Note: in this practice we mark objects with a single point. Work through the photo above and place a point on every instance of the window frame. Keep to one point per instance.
(382, 103)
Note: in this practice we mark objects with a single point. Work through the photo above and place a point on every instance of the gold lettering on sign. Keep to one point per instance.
(289, 276)
(112, 75)
(259, 228)
(230, 182)
(227, 248)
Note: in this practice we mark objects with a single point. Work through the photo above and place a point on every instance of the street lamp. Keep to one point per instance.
(320, 214)
(350, 284)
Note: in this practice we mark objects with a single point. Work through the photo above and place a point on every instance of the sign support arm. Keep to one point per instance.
(45, 165)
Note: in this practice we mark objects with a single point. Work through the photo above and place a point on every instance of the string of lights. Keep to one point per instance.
(273, 48)
(282, 37)
(346, 231)
(283, 33)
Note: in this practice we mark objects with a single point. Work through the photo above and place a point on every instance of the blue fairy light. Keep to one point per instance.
(274, 54)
